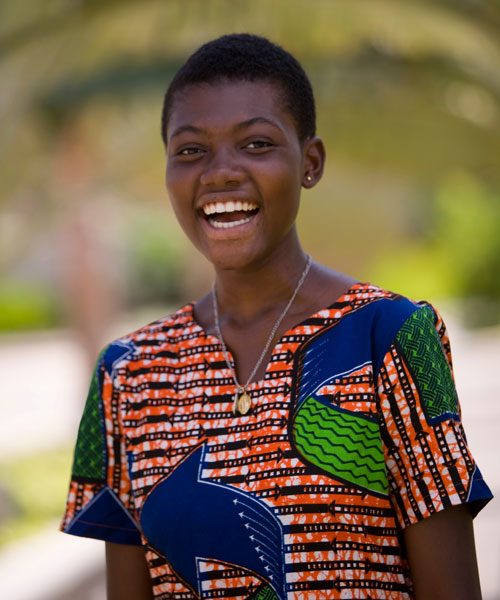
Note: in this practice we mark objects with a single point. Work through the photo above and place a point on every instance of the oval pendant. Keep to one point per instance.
(243, 403)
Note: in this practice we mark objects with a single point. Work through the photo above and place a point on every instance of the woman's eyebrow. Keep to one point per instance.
(188, 128)
(255, 120)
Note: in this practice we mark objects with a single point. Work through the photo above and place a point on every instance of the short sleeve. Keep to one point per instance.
(428, 461)
(100, 503)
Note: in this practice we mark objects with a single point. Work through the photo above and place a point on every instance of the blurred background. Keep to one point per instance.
(408, 97)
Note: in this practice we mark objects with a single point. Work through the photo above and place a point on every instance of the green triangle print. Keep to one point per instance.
(345, 445)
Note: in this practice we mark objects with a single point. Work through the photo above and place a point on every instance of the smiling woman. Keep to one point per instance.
(340, 468)
(233, 142)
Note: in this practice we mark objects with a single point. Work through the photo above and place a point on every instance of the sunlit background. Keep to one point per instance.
(408, 96)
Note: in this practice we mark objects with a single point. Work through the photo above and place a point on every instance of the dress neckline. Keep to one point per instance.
(258, 383)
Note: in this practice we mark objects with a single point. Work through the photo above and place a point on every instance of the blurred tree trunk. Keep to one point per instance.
(88, 262)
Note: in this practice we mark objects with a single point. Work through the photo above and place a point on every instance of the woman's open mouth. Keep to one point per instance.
(224, 215)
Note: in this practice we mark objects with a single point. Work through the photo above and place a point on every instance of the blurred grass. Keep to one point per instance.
(35, 487)
(26, 306)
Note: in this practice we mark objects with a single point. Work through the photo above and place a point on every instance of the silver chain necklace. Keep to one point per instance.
(242, 401)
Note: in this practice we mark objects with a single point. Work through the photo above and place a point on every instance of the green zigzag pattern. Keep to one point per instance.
(89, 455)
(265, 593)
(423, 351)
(343, 444)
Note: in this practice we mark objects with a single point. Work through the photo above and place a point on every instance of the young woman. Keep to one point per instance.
(294, 434)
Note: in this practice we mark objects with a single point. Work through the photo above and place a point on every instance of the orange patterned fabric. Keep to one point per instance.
(354, 434)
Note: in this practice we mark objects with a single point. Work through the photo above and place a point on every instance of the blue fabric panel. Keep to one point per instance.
(388, 318)
(185, 517)
(346, 345)
(115, 352)
(479, 493)
(105, 518)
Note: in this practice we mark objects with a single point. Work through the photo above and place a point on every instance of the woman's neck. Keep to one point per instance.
(242, 295)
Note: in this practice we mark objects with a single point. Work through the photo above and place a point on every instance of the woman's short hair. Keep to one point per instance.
(247, 57)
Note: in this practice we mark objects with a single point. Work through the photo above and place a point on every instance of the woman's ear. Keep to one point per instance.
(314, 161)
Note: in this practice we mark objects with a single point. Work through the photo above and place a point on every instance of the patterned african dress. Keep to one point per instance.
(354, 435)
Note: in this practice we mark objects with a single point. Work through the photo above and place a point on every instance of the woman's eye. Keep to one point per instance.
(258, 144)
(189, 151)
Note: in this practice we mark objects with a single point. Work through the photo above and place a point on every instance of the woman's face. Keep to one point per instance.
(234, 172)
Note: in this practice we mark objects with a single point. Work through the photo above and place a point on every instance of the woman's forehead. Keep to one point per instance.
(225, 103)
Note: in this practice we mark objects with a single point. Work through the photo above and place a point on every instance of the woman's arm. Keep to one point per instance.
(127, 575)
(442, 556)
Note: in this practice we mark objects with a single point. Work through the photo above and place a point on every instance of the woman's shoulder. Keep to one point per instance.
(371, 321)
(163, 327)
(382, 302)
(364, 310)
(384, 312)
(353, 294)
(166, 334)
(387, 301)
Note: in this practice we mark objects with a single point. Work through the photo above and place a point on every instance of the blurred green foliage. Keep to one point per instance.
(28, 305)
(37, 486)
(155, 269)
(467, 234)
(408, 100)
(458, 255)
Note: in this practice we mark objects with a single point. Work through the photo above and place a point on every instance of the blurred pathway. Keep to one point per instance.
(43, 385)
(44, 378)
(476, 361)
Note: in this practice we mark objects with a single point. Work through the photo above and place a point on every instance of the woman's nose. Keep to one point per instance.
(223, 169)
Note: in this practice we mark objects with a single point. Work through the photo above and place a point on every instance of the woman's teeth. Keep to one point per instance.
(227, 207)
(221, 214)
(228, 224)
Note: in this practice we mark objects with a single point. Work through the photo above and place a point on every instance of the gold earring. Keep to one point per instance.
(309, 178)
